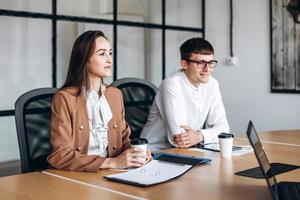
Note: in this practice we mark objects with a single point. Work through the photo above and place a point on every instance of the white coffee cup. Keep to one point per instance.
(226, 142)
(141, 143)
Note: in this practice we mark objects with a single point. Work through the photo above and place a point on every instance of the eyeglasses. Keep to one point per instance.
(202, 63)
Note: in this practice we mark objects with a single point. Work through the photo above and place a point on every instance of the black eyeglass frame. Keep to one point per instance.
(210, 64)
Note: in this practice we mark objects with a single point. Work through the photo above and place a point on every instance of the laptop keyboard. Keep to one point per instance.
(289, 190)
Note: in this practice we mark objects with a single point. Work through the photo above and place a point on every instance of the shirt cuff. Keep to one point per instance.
(209, 136)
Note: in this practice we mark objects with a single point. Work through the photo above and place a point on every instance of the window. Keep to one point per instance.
(38, 37)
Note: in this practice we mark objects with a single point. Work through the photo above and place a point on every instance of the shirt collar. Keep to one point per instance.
(92, 96)
(187, 82)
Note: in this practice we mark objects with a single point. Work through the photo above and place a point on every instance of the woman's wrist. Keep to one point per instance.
(107, 164)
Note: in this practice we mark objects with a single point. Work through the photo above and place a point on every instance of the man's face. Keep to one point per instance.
(196, 69)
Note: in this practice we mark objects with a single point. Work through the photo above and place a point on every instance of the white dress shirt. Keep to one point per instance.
(99, 114)
(177, 103)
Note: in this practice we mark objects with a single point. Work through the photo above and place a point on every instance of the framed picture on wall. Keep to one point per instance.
(285, 45)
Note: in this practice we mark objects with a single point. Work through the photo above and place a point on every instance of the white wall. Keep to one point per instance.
(246, 86)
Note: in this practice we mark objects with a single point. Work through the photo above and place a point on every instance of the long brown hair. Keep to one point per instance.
(82, 50)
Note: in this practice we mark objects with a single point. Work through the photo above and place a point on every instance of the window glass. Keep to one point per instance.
(184, 13)
(44, 6)
(140, 11)
(25, 55)
(87, 8)
(139, 53)
(9, 149)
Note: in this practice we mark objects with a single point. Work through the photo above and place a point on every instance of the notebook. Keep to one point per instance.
(165, 167)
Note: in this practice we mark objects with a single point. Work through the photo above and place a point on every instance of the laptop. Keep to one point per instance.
(281, 190)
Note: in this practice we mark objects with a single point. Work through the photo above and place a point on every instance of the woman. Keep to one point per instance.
(88, 129)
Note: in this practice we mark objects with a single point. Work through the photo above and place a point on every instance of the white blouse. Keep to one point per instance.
(99, 114)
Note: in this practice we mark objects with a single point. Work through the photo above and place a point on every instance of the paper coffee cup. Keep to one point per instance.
(141, 143)
(226, 142)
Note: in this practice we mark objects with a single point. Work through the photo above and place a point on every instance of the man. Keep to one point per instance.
(188, 107)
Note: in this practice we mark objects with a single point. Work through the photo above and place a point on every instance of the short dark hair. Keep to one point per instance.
(81, 52)
(195, 45)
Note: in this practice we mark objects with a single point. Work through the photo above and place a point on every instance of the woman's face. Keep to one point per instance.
(100, 62)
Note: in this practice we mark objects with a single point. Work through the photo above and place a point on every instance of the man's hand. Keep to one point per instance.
(188, 138)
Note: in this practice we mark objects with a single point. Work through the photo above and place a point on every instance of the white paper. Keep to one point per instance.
(215, 146)
(154, 172)
(244, 150)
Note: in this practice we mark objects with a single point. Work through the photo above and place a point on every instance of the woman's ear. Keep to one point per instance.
(183, 64)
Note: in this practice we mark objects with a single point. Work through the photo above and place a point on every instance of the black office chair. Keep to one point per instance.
(32, 115)
(138, 97)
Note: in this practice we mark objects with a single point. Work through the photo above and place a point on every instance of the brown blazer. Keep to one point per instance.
(70, 130)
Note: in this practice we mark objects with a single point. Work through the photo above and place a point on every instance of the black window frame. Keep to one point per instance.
(54, 17)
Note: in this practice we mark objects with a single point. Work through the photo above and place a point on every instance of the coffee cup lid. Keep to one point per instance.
(138, 141)
(226, 135)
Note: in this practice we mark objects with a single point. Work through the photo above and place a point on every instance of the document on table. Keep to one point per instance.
(237, 150)
(243, 150)
(153, 173)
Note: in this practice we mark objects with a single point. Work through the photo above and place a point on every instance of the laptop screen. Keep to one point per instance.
(262, 159)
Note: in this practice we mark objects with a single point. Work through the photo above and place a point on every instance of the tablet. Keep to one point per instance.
(216, 147)
(180, 159)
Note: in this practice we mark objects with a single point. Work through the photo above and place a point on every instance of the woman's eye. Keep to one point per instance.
(110, 53)
(101, 54)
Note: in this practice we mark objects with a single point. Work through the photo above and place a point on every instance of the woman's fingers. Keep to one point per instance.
(135, 157)
(135, 154)
(149, 157)
(136, 150)
(138, 160)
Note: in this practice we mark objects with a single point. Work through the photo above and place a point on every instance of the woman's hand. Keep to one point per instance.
(148, 156)
(132, 157)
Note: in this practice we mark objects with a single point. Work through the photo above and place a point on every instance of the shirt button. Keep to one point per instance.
(78, 148)
(80, 127)
(115, 126)
(114, 147)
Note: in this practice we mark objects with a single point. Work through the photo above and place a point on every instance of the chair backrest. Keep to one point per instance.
(138, 96)
(33, 115)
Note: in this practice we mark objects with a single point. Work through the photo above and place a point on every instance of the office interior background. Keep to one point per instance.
(26, 54)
